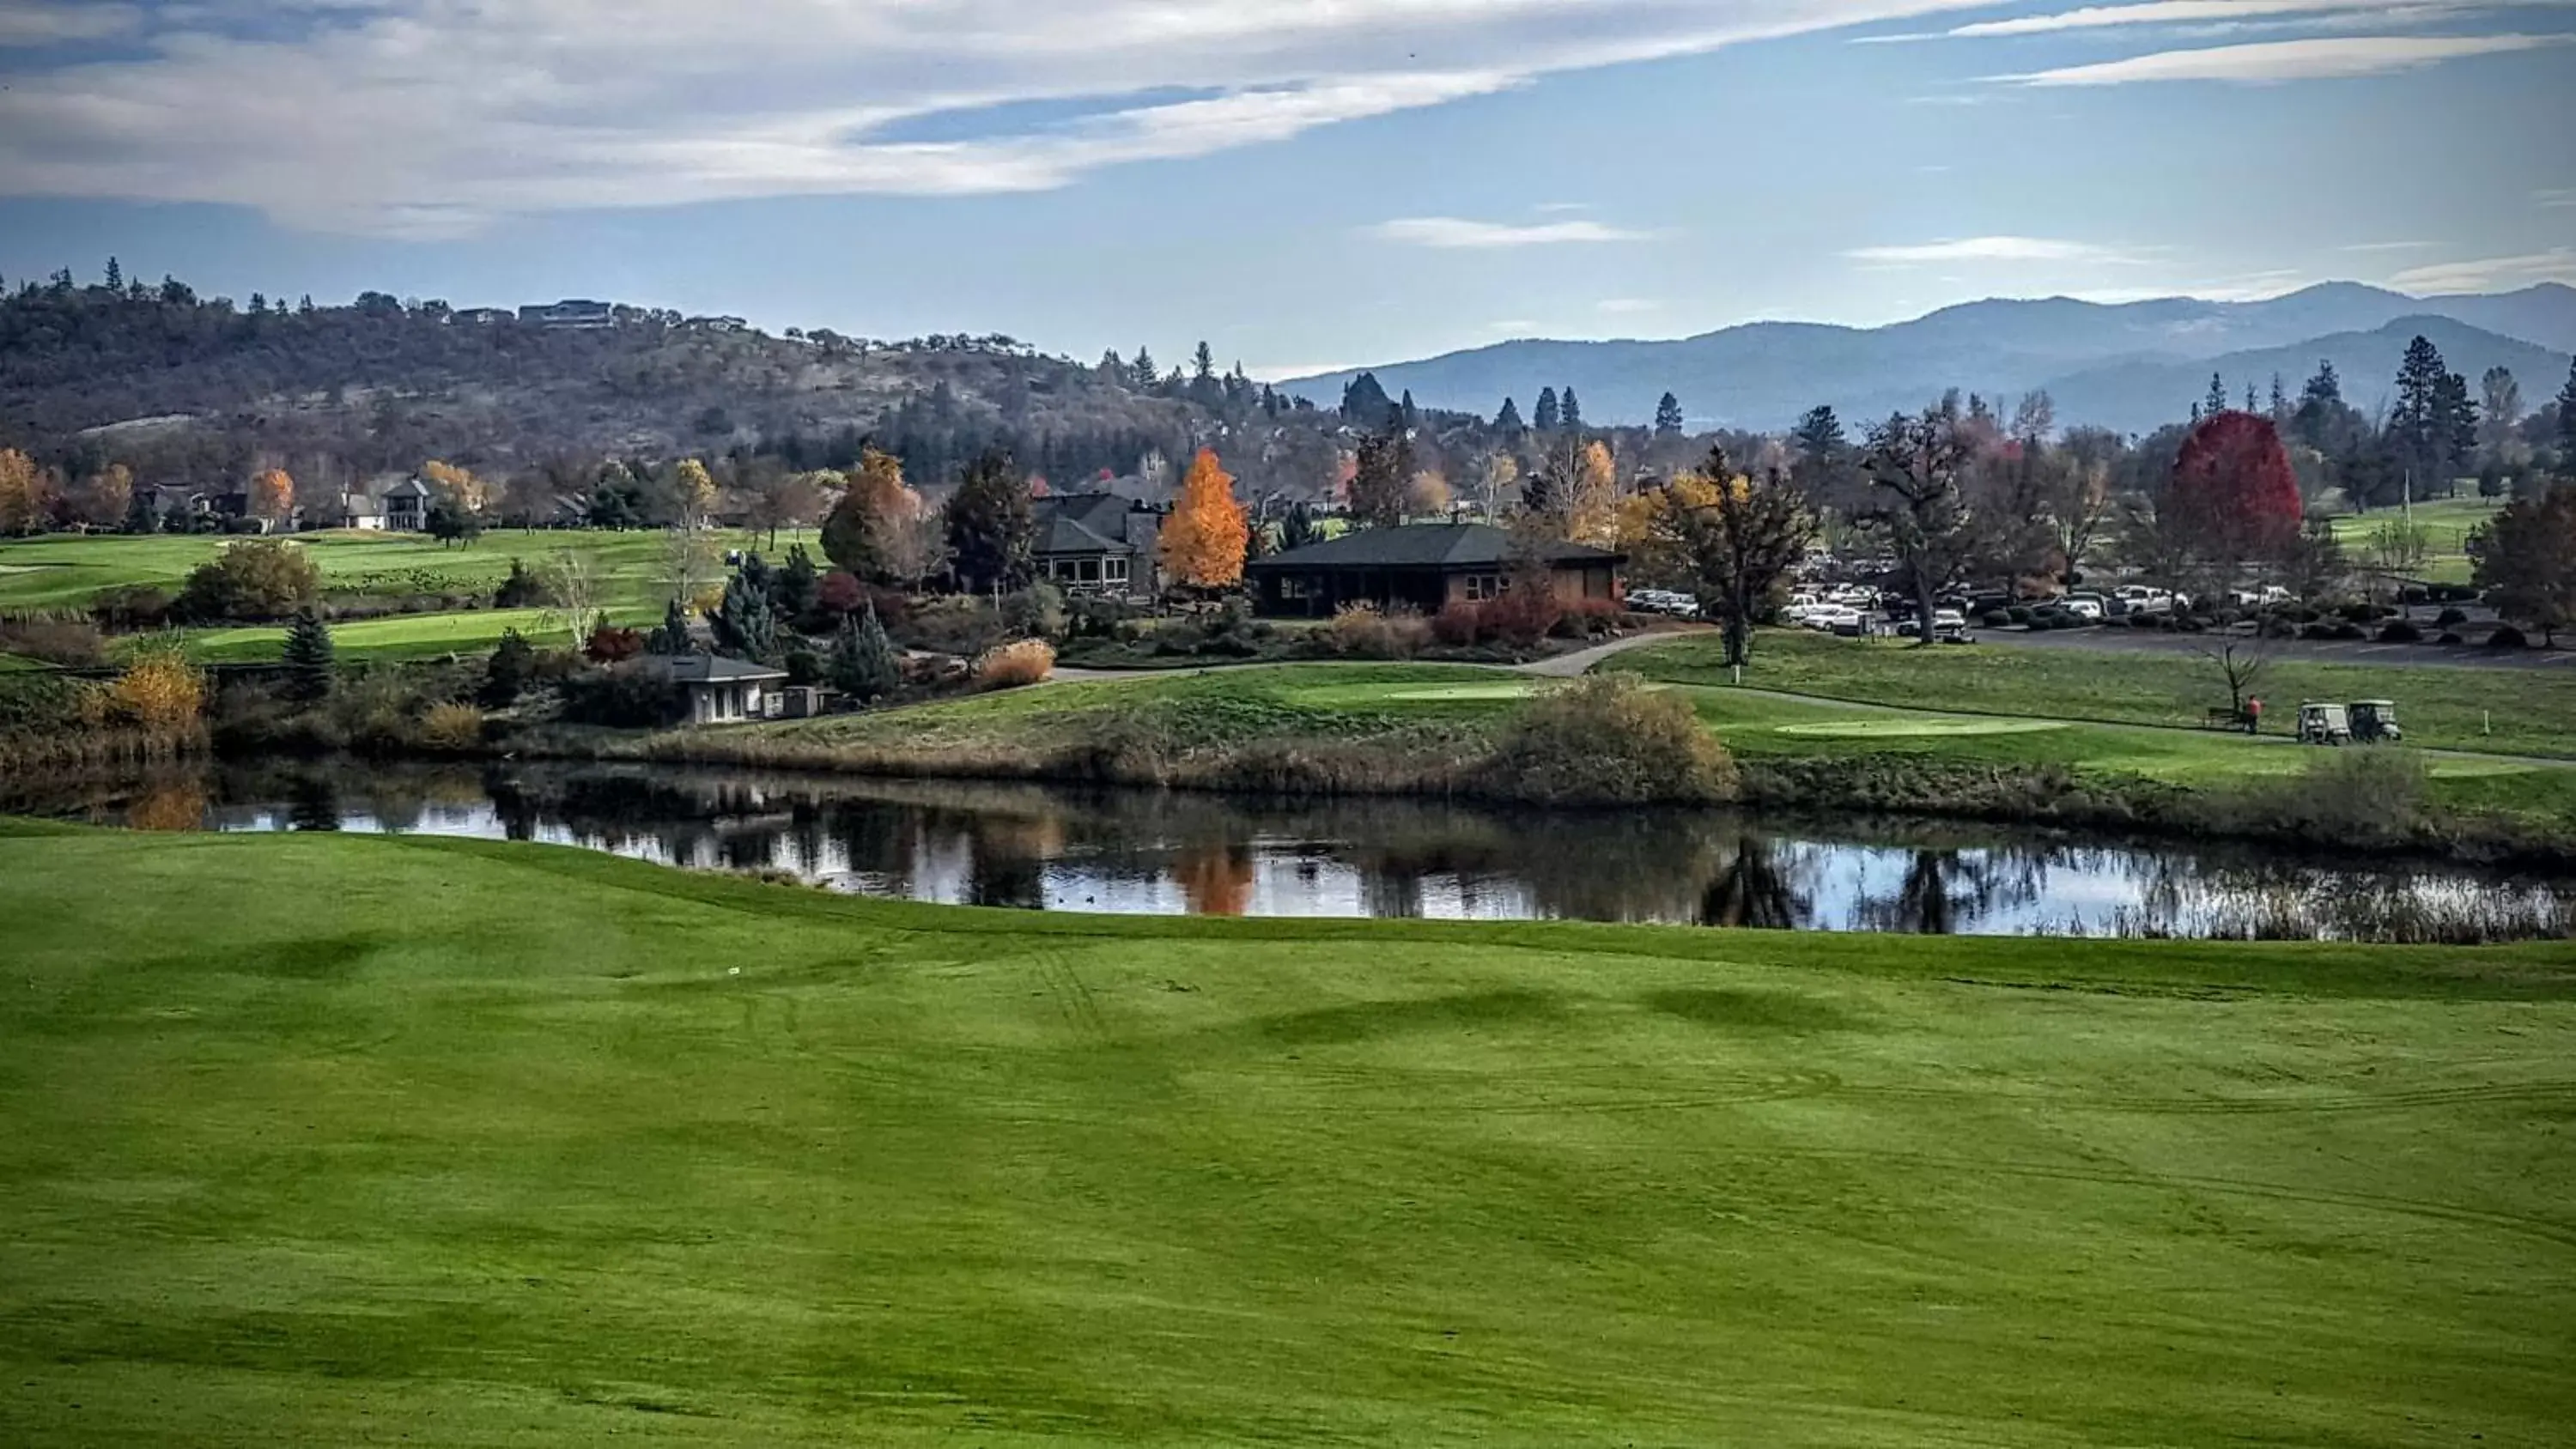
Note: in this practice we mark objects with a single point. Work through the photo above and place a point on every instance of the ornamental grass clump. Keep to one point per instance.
(1609, 739)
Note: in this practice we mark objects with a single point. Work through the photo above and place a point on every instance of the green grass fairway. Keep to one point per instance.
(1910, 729)
(400, 636)
(2447, 524)
(68, 572)
(318, 1141)
(2533, 712)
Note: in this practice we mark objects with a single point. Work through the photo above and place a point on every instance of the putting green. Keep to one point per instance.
(1899, 729)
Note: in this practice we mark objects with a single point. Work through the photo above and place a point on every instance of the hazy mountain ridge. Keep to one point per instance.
(2112, 364)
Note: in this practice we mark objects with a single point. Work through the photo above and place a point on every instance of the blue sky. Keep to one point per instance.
(1304, 183)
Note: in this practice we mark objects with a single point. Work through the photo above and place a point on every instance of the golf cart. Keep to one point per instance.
(2374, 721)
(2324, 724)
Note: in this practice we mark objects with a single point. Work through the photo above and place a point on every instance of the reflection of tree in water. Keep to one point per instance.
(312, 803)
(1943, 892)
(1758, 887)
(1215, 878)
(168, 805)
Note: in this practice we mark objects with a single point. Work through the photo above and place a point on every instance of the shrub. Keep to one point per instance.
(962, 626)
(1024, 661)
(161, 693)
(138, 606)
(506, 673)
(2316, 631)
(1359, 631)
(255, 579)
(2018, 613)
(2347, 631)
(2449, 619)
(1524, 613)
(72, 641)
(1588, 619)
(1036, 612)
(609, 644)
(1995, 618)
(1458, 624)
(2449, 637)
(455, 728)
(1607, 739)
(631, 695)
(2507, 637)
(2367, 795)
(524, 590)
(2398, 631)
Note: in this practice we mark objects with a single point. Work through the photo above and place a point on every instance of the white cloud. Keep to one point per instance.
(2493, 274)
(2154, 12)
(2555, 199)
(427, 117)
(40, 22)
(1458, 232)
(1990, 249)
(2286, 60)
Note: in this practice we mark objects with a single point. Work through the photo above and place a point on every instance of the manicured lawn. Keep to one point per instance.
(2533, 712)
(68, 572)
(400, 636)
(323, 1141)
(2447, 523)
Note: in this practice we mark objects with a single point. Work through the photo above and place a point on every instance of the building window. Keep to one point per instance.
(1113, 570)
(1481, 587)
(1090, 571)
(1292, 587)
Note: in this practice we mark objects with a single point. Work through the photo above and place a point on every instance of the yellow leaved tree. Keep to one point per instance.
(24, 493)
(272, 495)
(456, 485)
(697, 492)
(1203, 541)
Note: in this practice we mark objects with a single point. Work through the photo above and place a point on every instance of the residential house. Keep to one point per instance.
(1097, 544)
(571, 315)
(405, 506)
(726, 691)
(1424, 567)
(480, 316)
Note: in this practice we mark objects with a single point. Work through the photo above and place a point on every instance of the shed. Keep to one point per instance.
(724, 691)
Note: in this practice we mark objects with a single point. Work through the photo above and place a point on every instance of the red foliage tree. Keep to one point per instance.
(2234, 489)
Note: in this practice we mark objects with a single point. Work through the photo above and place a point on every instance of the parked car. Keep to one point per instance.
(2145, 599)
(2085, 606)
(2261, 598)
(1950, 626)
(1834, 619)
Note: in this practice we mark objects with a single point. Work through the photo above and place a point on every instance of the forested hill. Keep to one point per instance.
(181, 387)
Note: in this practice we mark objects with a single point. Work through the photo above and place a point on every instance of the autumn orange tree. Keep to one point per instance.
(272, 495)
(1203, 541)
(455, 485)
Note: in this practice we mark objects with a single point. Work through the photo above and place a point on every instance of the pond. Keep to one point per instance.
(1042, 848)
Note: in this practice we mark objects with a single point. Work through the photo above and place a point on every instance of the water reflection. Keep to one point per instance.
(1035, 848)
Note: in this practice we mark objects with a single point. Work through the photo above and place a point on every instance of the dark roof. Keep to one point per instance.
(716, 669)
(1425, 545)
(408, 488)
(1086, 523)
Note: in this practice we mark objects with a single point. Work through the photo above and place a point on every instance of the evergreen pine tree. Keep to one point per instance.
(864, 665)
(2217, 402)
(1548, 417)
(506, 674)
(308, 659)
(1668, 417)
(797, 586)
(138, 514)
(2567, 426)
(2280, 400)
(744, 624)
(671, 640)
(1145, 377)
(1508, 421)
(1569, 412)
(1412, 416)
(1203, 364)
(2249, 398)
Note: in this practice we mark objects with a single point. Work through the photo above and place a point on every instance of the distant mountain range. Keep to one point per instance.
(2134, 366)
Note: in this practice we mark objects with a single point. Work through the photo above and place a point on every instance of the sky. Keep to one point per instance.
(1305, 184)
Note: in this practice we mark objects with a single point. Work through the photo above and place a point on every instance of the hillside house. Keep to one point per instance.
(1097, 544)
(571, 315)
(1423, 567)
